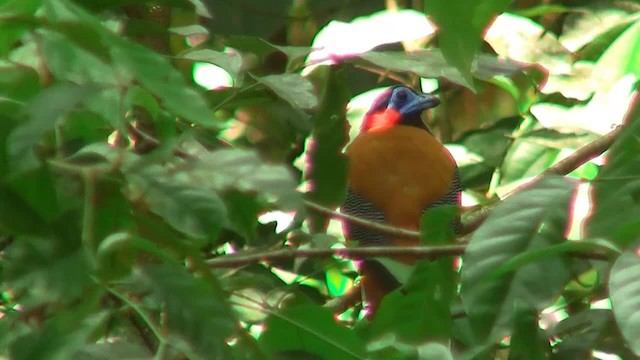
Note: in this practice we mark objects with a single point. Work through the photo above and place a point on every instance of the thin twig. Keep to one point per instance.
(378, 227)
(418, 252)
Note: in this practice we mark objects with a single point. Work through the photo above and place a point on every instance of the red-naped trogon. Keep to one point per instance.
(397, 170)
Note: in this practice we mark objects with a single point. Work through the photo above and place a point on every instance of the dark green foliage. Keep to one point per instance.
(142, 216)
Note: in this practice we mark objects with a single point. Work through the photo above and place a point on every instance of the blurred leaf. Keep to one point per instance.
(512, 228)
(528, 340)
(311, 329)
(189, 30)
(460, 28)
(624, 287)
(12, 31)
(491, 143)
(118, 350)
(616, 189)
(230, 62)
(172, 89)
(16, 216)
(295, 89)
(243, 210)
(326, 165)
(61, 336)
(199, 213)
(525, 159)
(420, 310)
(198, 317)
(243, 170)
(262, 48)
(431, 64)
(595, 48)
(44, 112)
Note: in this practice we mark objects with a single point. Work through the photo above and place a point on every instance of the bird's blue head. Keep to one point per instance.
(398, 105)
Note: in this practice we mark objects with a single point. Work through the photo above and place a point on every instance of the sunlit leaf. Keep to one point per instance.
(460, 28)
(512, 228)
(229, 62)
(431, 64)
(295, 89)
(616, 189)
(624, 287)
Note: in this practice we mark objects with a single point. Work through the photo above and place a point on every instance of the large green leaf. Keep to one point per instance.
(198, 317)
(534, 218)
(310, 329)
(230, 62)
(197, 212)
(61, 336)
(432, 64)
(244, 170)
(624, 289)
(461, 25)
(295, 89)
(44, 112)
(13, 30)
(616, 189)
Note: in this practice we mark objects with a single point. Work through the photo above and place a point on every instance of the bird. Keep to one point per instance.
(397, 170)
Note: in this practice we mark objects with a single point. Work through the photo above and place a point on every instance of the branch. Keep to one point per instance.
(422, 252)
(562, 167)
(378, 227)
(418, 252)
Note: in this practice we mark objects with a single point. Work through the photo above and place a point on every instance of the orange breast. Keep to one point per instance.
(401, 171)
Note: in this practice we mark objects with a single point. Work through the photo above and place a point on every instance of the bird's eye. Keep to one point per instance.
(401, 96)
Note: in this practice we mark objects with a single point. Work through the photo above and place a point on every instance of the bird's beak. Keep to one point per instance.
(426, 101)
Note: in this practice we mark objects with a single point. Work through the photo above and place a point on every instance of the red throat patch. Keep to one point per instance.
(381, 120)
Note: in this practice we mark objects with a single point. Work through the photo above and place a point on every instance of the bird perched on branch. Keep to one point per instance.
(397, 170)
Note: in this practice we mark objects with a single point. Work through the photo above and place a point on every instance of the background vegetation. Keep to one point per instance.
(154, 206)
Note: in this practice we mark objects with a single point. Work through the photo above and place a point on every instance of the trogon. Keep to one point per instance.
(397, 170)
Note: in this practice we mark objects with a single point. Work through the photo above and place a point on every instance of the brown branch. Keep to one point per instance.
(418, 252)
(562, 167)
(584, 154)
(378, 227)
(428, 252)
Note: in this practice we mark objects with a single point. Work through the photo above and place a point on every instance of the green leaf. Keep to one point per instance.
(326, 167)
(293, 88)
(197, 212)
(61, 336)
(17, 216)
(262, 48)
(12, 30)
(534, 218)
(229, 62)
(310, 329)
(624, 289)
(528, 340)
(198, 318)
(623, 55)
(170, 87)
(244, 170)
(420, 310)
(44, 112)
(526, 159)
(616, 189)
(461, 25)
(432, 64)
(118, 350)
(189, 30)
